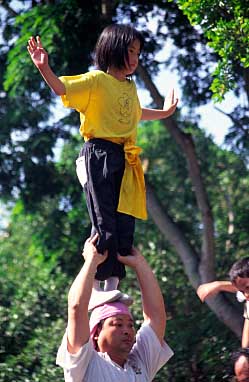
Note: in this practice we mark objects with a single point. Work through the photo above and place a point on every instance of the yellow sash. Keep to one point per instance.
(132, 198)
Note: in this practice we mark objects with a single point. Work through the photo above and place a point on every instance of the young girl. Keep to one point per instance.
(108, 166)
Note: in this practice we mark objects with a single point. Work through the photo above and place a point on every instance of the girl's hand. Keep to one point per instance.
(37, 53)
(90, 252)
(170, 103)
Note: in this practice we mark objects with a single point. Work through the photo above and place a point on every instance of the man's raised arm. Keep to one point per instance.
(152, 299)
(78, 331)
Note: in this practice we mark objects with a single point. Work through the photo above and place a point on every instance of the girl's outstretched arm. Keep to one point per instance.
(169, 107)
(39, 57)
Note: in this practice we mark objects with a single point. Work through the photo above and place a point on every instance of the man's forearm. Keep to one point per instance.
(78, 330)
(78, 299)
(225, 286)
(152, 299)
(153, 303)
(81, 289)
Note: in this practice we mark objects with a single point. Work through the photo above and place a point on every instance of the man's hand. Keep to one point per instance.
(90, 252)
(133, 260)
(37, 53)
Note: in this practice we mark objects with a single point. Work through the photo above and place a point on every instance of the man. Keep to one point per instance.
(106, 350)
(241, 356)
(241, 365)
(239, 284)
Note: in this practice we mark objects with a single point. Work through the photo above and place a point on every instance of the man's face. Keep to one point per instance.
(117, 336)
(242, 284)
(241, 369)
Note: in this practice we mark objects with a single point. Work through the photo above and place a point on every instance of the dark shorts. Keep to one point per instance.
(101, 166)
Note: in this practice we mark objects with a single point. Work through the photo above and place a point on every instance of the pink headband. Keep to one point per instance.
(104, 311)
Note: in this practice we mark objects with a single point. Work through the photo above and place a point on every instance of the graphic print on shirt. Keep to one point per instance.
(135, 367)
(125, 107)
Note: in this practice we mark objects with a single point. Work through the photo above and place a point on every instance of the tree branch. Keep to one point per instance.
(236, 121)
(107, 9)
(185, 141)
(246, 79)
(198, 269)
(174, 236)
(4, 4)
(223, 309)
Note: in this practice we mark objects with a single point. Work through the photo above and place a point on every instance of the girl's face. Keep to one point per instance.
(133, 56)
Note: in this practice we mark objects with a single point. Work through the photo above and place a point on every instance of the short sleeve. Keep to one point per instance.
(74, 365)
(78, 90)
(139, 107)
(149, 350)
(240, 296)
(246, 310)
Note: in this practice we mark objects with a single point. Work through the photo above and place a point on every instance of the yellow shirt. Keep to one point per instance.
(110, 109)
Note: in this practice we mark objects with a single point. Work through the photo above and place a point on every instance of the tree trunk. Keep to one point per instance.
(4, 4)
(199, 267)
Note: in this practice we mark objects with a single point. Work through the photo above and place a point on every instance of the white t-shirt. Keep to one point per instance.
(145, 359)
(246, 310)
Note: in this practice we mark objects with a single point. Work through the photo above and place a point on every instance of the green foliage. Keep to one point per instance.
(60, 24)
(29, 137)
(226, 26)
(202, 346)
(40, 251)
(41, 254)
(38, 21)
(32, 302)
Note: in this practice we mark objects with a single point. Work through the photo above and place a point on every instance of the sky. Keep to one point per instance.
(211, 120)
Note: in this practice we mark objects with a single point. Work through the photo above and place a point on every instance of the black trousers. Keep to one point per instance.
(104, 163)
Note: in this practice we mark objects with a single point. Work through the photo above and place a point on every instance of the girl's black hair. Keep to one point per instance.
(112, 46)
(240, 269)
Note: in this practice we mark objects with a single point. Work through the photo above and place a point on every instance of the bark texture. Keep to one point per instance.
(199, 264)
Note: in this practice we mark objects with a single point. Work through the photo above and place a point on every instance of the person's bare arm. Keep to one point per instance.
(152, 299)
(169, 107)
(78, 331)
(211, 289)
(245, 334)
(39, 57)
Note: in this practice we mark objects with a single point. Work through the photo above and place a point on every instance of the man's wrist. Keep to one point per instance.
(141, 263)
(91, 266)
